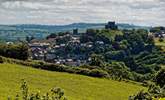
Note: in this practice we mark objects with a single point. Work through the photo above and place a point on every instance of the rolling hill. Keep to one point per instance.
(19, 32)
(63, 28)
(77, 87)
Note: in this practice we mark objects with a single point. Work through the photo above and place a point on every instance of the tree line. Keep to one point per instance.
(16, 51)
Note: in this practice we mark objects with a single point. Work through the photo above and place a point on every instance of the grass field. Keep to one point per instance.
(158, 43)
(76, 87)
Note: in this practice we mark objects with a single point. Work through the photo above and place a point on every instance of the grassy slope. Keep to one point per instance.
(162, 44)
(76, 87)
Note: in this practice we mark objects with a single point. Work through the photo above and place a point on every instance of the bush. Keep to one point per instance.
(138, 77)
(154, 93)
(60, 68)
(53, 94)
(82, 71)
(141, 96)
(16, 51)
(98, 73)
(1, 60)
(161, 40)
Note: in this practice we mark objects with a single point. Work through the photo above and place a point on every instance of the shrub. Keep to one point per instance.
(53, 94)
(1, 60)
(141, 96)
(98, 73)
(60, 68)
(154, 93)
(161, 40)
(16, 51)
(82, 71)
(138, 77)
(89, 67)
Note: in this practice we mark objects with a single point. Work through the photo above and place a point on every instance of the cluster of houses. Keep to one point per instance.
(160, 33)
(51, 51)
(48, 50)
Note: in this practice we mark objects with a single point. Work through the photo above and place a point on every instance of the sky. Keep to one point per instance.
(59, 12)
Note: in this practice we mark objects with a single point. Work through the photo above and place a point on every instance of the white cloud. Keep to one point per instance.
(145, 12)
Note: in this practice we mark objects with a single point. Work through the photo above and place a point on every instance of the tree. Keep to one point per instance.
(28, 39)
(23, 52)
(118, 70)
(160, 78)
(118, 38)
(16, 51)
(91, 32)
(161, 39)
(131, 63)
(115, 55)
(96, 60)
(150, 40)
(136, 41)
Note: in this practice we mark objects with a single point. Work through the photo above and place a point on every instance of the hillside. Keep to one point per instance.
(69, 27)
(76, 87)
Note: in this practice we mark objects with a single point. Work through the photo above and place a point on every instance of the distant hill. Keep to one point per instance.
(15, 32)
(69, 27)
(51, 28)
(131, 26)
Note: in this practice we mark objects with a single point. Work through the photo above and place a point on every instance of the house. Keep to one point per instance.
(62, 45)
(9, 43)
(39, 44)
(50, 56)
(100, 42)
(38, 53)
(56, 46)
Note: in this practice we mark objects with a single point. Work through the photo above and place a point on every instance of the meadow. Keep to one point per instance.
(76, 87)
(161, 44)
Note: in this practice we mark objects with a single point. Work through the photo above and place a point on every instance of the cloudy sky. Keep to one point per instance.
(141, 12)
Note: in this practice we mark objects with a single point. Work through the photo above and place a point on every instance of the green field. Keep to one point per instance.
(77, 87)
(161, 44)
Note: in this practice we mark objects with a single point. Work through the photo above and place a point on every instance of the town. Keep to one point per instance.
(82, 50)
(72, 48)
(52, 48)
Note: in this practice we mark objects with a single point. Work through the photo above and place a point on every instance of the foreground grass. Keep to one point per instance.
(77, 87)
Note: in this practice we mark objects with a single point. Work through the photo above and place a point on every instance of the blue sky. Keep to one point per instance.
(140, 12)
